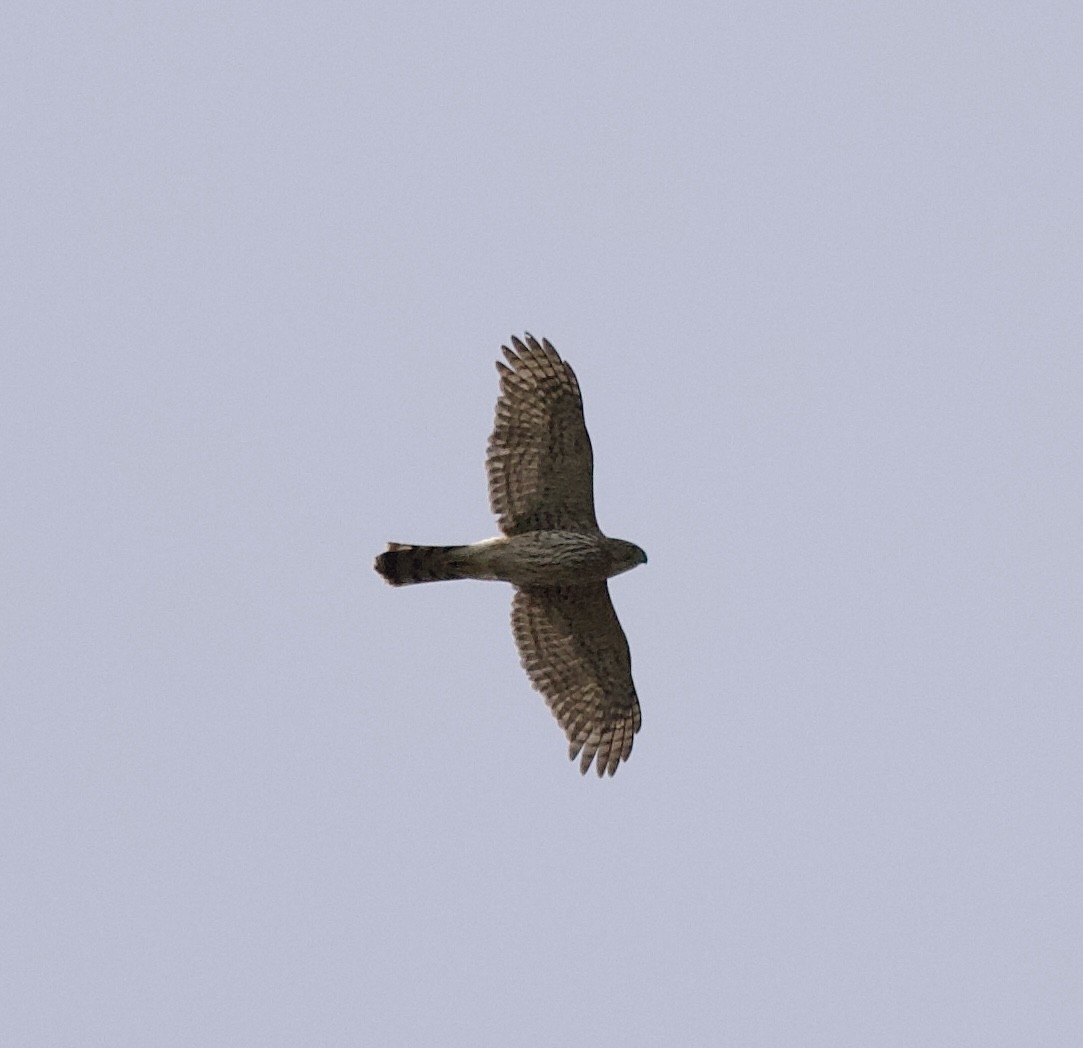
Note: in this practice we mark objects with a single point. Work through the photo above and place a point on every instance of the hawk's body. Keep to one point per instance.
(541, 486)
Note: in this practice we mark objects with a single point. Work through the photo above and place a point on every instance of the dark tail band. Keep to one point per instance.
(403, 565)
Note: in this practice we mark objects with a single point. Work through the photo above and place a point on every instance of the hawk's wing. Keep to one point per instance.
(539, 462)
(575, 653)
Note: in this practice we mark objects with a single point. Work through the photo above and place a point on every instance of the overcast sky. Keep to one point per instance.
(819, 269)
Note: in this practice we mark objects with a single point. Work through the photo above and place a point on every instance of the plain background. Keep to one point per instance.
(819, 269)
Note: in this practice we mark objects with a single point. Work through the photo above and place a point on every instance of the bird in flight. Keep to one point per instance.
(541, 487)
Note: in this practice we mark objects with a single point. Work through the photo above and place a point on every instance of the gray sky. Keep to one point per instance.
(818, 268)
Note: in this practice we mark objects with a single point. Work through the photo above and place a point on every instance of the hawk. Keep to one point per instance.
(541, 487)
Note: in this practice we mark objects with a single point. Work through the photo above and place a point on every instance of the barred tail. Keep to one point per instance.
(403, 565)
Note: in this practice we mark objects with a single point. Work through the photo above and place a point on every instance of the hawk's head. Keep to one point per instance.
(624, 556)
